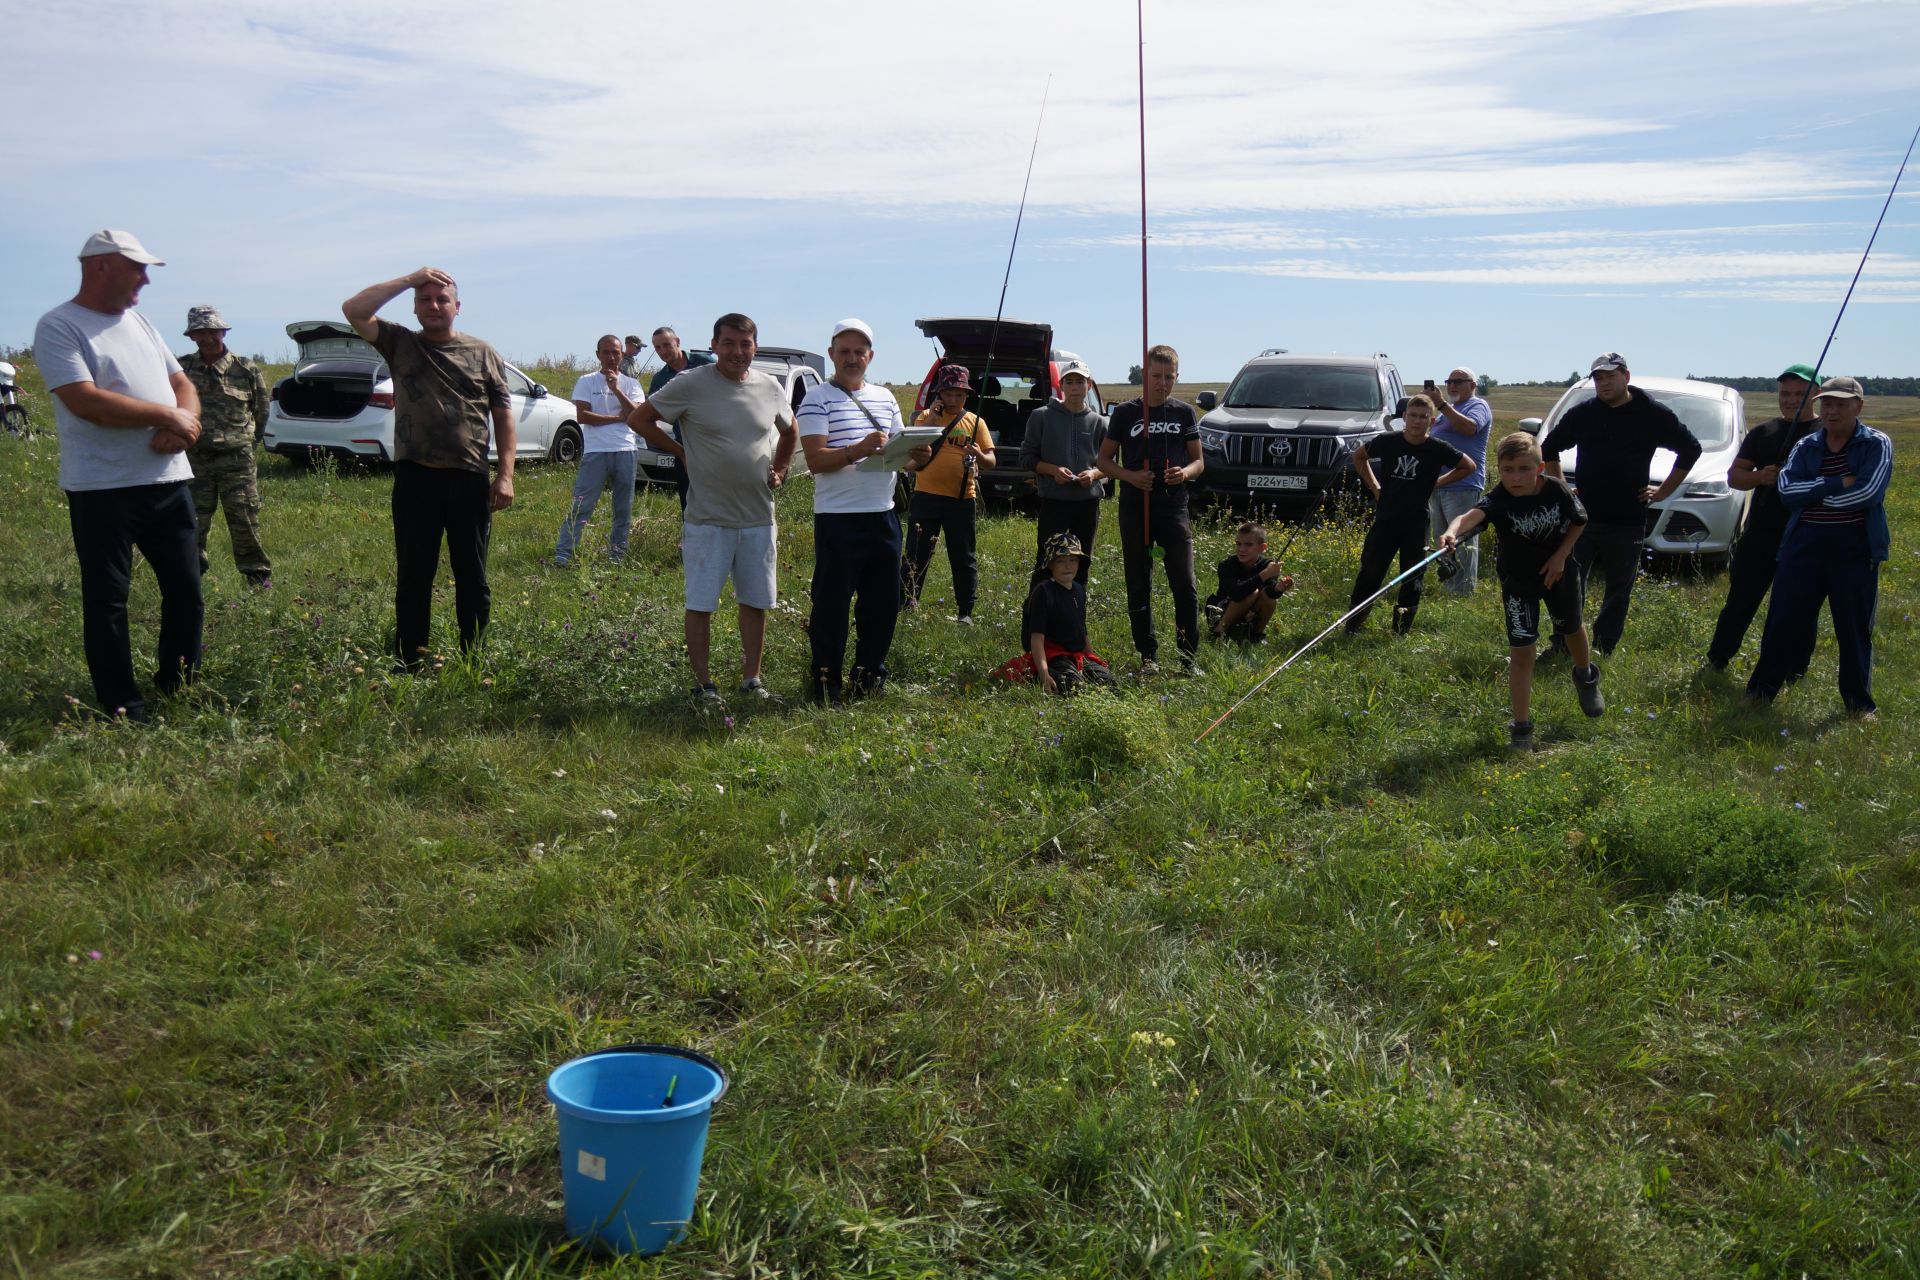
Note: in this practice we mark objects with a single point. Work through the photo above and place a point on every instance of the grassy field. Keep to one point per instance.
(1007, 986)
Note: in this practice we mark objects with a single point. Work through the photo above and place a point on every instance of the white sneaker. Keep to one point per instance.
(755, 687)
(965, 619)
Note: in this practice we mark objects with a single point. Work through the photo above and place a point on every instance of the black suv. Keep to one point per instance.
(1286, 431)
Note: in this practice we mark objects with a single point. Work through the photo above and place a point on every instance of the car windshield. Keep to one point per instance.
(1305, 386)
(1710, 419)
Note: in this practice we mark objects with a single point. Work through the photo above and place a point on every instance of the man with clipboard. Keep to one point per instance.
(856, 535)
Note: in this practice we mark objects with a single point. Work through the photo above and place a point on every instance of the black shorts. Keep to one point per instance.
(1520, 601)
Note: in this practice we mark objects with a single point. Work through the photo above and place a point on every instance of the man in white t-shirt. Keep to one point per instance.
(126, 416)
(856, 535)
(602, 401)
(736, 439)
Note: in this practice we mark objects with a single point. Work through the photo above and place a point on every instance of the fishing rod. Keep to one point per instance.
(1887, 204)
(993, 334)
(1146, 342)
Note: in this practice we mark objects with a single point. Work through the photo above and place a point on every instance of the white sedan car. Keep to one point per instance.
(1704, 516)
(339, 401)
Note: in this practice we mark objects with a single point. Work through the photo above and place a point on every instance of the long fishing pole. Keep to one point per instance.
(1146, 343)
(1828, 346)
(993, 334)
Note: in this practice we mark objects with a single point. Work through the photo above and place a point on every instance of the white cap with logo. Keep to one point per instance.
(854, 325)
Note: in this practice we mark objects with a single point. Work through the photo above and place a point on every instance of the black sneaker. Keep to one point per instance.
(1587, 688)
(1520, 735)
(706, 696)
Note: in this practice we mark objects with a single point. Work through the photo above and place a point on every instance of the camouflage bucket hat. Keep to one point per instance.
(1063, 544)
(205, 317)
(950, 377)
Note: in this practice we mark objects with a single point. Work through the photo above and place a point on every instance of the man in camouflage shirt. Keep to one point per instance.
(233, 415)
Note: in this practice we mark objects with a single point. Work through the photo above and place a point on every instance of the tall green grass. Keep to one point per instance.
(1008, 986)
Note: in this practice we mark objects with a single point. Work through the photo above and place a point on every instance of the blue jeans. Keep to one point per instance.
(596, 470)
(1443, 508)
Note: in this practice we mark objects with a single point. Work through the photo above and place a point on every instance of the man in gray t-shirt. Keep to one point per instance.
(736, 438)
(126, 416)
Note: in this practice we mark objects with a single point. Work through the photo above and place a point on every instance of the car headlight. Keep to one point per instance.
(1213, 440)
(1707, 489)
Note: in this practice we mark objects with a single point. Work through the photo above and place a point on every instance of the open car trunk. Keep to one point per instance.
(335, 375)
(1022, 349)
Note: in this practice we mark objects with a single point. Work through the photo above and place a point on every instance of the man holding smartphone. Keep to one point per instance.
(1465, 421)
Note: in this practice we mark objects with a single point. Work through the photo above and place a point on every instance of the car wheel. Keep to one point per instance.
(566, 445)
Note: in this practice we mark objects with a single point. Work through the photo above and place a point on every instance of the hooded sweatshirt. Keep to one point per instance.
(1057, 435)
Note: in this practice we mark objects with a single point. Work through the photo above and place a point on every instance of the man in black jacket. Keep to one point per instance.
(1757, 468)
(1617, 433)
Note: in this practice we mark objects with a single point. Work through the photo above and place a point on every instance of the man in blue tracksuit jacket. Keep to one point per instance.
(1834, 486)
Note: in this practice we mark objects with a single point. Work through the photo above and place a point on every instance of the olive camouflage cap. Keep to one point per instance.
(205, 317)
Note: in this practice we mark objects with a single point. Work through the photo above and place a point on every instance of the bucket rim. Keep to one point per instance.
(652, 1115)
(673, 1051)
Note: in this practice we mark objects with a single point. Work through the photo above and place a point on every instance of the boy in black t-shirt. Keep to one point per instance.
(1539, 520)
(1153, 449)
(1053, 623)
(1249, 585)
(1401, 469)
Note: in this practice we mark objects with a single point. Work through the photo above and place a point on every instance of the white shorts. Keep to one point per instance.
(711, 553)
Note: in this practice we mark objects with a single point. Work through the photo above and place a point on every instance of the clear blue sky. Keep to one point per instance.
(1512, 186)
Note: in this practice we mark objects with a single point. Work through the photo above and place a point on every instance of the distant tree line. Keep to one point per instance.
(1872, 386)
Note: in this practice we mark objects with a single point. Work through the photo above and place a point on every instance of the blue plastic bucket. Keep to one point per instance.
(630, 1166)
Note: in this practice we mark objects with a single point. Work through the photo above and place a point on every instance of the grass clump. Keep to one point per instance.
(1672, 839)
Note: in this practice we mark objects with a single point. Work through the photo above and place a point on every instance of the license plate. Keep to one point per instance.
(1276, 482)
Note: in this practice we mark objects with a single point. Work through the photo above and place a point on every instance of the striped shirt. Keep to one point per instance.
(830, 412)
(1833, 462)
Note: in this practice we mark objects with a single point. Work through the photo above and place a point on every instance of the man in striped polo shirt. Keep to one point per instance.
(856, 535)
(1834, 486)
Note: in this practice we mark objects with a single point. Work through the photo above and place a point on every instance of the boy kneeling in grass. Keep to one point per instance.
(1539, 520)
(1054, 625)
(1401, 469)
(1250, 584)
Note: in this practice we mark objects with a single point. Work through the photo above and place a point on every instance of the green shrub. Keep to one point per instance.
(1670, 838)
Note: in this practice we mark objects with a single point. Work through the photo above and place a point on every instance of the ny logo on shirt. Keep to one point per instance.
(1406, 467)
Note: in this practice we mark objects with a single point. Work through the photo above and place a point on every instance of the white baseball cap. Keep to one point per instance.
(120, 242)
(853, 325)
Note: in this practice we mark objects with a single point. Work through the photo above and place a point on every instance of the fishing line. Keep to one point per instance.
(1113, 801)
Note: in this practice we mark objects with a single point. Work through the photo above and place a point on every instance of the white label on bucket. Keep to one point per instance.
(593, 1166)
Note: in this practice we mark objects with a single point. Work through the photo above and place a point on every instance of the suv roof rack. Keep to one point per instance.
(1274, 351)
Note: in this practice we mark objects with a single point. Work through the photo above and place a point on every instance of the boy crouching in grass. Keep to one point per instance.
(1054, 625)
(1401, 469)
(1250, 583)
(1539, 520)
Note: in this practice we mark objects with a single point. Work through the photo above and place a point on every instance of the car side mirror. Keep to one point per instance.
(539, 391)
(1529, 425)
(1400, 407)
(1207, 401)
